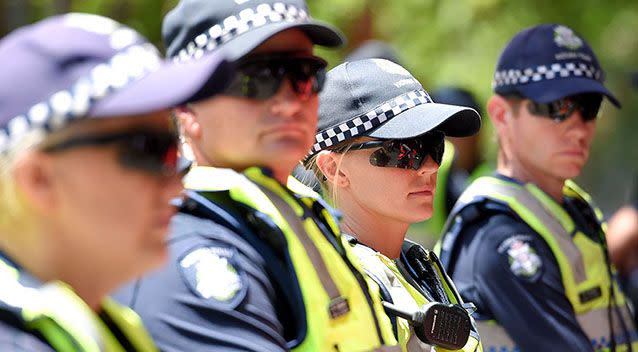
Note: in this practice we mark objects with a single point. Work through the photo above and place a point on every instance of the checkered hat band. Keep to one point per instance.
(235, 25)
(515, 77)
(368, 121)
(60, 108)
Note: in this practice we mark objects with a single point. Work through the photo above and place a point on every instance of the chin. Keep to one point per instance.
(570, 171)
(419, 215)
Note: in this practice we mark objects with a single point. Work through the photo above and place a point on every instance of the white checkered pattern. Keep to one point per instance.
(233, 26)
(368, 121)
(125, 67)
(546, 72)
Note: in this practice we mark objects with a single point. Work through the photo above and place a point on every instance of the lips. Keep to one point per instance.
(423, 192)
(288, 127)
(575, 152)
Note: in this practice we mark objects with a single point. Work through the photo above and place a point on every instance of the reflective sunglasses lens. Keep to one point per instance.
(261, 78)
(153, 153)
(560, 110)
(409, 154)
(256, 83)
(589, 105)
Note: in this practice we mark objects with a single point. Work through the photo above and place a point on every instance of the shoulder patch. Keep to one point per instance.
(522, 258)
(213, 274)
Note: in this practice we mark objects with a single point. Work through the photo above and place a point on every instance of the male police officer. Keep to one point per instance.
(526, 245)
(87, 171)
(255, 265)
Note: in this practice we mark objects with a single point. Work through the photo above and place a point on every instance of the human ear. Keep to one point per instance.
(329, 164)
(188, 122)
(34, 178)
(500, 111)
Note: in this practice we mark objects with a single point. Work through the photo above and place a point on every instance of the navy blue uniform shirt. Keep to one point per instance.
(509, 272)
(213, 295)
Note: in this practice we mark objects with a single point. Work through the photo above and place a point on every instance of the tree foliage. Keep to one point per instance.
(448, 42)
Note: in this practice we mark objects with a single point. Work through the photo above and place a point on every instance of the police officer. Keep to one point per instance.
(527, 245)
(87, 170)
(255, 265)
(379, 144)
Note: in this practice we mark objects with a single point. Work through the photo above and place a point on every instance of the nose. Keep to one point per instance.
(429, 167)
(577, 125)
(287, 102)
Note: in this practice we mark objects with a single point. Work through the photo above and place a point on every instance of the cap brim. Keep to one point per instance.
(320, 34)
(454, 121)
(171, 85)
(548, 91)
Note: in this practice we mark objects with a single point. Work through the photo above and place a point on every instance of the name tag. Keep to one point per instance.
(590, 294)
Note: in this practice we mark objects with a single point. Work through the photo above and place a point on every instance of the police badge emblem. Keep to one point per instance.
(523, 259)
(211, 273)
(565, 37)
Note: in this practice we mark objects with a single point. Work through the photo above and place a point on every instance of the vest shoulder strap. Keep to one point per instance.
(535, 208)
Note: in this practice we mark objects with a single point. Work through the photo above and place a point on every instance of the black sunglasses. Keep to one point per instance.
(260, 77)
(560, 110)
(153, 152)
(405, 153)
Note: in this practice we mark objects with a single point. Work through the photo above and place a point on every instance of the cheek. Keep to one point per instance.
(117, 206)
(379, 187)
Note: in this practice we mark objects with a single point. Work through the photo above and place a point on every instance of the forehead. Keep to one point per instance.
(292, 40)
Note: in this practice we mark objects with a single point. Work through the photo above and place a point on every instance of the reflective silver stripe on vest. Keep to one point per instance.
(494, 337)
(595, 324)
(483, 187)
(313, 253)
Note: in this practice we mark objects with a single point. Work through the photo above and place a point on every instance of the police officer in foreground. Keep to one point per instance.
(255, 265)
(87, 170)
(527, 245)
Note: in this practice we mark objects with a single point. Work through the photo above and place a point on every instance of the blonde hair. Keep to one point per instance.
(15, 213)
(327, 191)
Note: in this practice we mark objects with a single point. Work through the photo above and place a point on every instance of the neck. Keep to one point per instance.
(379, 233)
(280, 173)
(550, 185)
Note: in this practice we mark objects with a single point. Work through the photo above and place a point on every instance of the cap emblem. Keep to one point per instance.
(565, 37)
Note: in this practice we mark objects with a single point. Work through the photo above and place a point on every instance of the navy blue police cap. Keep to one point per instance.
(77, 66)
(195, 27)
(548, 62)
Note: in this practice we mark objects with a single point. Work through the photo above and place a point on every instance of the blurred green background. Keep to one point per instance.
(451, 42)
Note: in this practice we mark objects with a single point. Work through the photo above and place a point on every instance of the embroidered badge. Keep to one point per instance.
(211, 272)
(566, 38)
(522, 257)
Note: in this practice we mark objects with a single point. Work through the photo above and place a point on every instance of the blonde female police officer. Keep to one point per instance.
(377, 152)
(527, 245)
(87, 170)
(256, 266)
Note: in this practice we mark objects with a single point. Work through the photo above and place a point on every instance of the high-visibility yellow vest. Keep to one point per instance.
(65, 321)
(343, 312)
(405, 333)
(582, 261)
